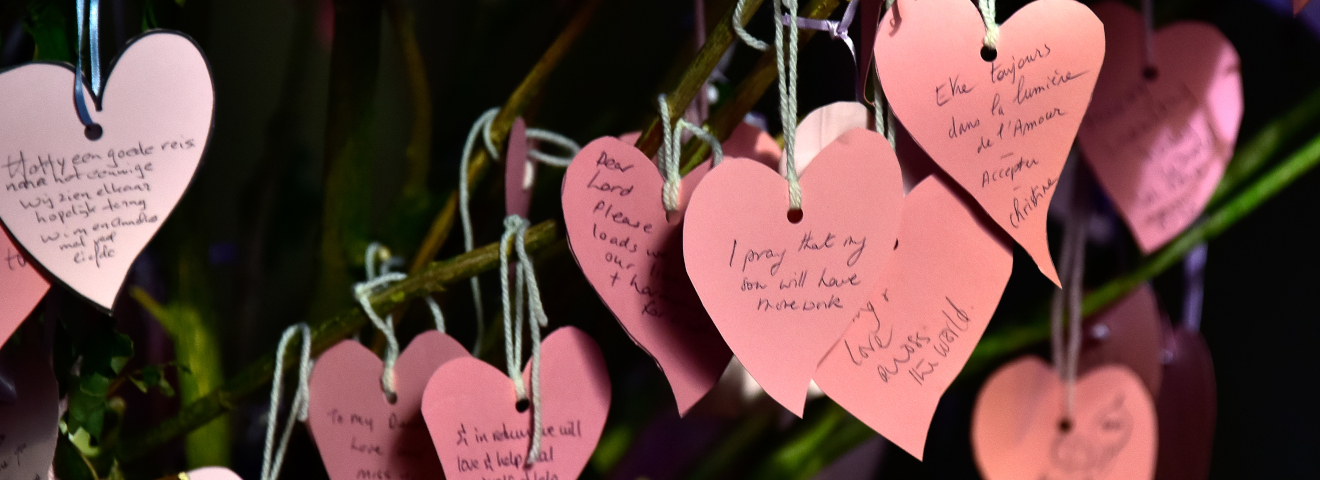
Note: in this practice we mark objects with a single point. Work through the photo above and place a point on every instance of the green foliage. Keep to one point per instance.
(51, 25)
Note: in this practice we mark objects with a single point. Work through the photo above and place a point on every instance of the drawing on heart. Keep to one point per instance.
(1128, 333)
(1002, 127)
(782, 291)
(84, 209)
(211, 473)
(620, 235)
(472, 414)
(22, 285)
(30, 425)
(346, 406)
(915, 332)
(1018, 429)
(1159, 137)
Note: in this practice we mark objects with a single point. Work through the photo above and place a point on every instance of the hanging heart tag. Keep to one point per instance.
(1018, 429)
(84, 209)
(1001, 128)
(748, 141)
(820, 127)
(619, 233)
(21, 285)
(211, 473)
(471, 412)
(919, 326)
(357, 429)
(1186, 407)
(519, 171)
(782, 291)
(1159, 137)
(28, 427)
(1127, 333)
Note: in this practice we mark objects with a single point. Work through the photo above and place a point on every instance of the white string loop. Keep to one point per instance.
(987, 8)
(270, 466)
(788, 95)
(515, 232)
(481, 126)
(670, 152)
(1073, 263)
(561, 141)
(377, 280)
(742, 32)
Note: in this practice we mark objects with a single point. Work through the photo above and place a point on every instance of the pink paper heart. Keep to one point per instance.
(781, 293)
(28, 427)
(346, 406)
(212, 473)
(470, 410)
(518, 170)
(23, 287)
(1017, 425)
(918, 328)
(1186, 408)
(1002, 128)
(1127, 333)
(619, 233)
(748, 141)
(1159, 146)
(820, 127)
(85, 209)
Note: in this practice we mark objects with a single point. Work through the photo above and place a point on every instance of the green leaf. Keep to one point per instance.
(50, 23)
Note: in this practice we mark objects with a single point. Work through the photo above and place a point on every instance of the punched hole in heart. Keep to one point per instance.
(93, 131)
(1150, 73)
(522, 405)
(794, 215)
(1065, 425)
(988, 54)
(392, 397)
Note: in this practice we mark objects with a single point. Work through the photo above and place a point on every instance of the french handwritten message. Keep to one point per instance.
(999, 120)
(912, 336)
(1160, 136)
(631, 250)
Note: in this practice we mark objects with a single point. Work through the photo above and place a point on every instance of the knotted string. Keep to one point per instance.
(1073, 261)
(377, 280)
(93, 32)
(482, 127)
(837, 29)
(270, 467)
(991, 26)
(670, 151)
(515, 231)
(787, 86)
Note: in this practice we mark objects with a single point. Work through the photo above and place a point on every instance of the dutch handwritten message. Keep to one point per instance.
(1160, 136)
(631, 251)
(782, 289)
(912, 336)
(1000, 121)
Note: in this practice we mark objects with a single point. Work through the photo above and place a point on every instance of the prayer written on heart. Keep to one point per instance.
(917, 350)
(809, 283)
(507, 463)
(1025, 85)
(413, 444)
(635, 256)
(82, 200)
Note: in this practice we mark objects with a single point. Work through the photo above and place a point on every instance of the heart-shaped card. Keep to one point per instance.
(620, 234)
(1018, 427)
(1186, 407)
(84, 209)
(346, 405)
(21, 287)
(1128, 333)
(210, 473)
(821, 127)
(918, 328)
(1001, 128)
(519, 171)
(783, 289)
(471, 411)
(28, 426)
(1159, 137)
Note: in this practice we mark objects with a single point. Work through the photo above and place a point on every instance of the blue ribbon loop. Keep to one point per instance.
(93, 33)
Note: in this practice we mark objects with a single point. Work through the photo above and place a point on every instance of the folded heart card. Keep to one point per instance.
(360, 432)
(999, 120)
(631, 250)
(1159, 136)
(917, 329)
(1019, 429)
(84, 206)
(783, 285)
(481, 432)
(21, 287)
